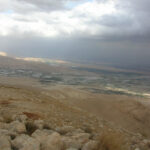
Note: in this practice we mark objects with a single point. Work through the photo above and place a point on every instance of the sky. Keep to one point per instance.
(110, 31)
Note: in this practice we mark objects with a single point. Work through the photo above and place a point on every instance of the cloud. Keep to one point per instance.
(27, 6)
(45, 5)
(90, 29)
(92, 18)
(57, 23)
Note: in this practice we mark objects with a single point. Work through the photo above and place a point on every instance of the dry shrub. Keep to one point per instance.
(112, 140)
(33, 116)
(30, 127)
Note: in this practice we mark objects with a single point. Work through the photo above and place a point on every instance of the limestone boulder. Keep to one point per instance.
(91, 145)
(17, 126)
(4, 143)
(25, 142)
(53, 142)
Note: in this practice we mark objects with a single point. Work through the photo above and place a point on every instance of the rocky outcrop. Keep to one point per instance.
(25, 134)
(91, 145)
(25, 142)
(53, 142)
(17, 126)
(4, 143)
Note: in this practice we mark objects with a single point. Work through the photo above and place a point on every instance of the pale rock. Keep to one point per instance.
(81, 137)
(1, 119)
(76, 141)
(71, 149)
(71, 143)
(4, 143)
(41, 135)
(137, 149)
(74, 132)
(146, 142)
(78, 131)
(65, 129)
(24, 142)
(48, 131)
(3, 132)
(7, 133)
(21, 118)
(39, 124)
(91, 145)
(53, 142)
(101, 125)
(17, 126)
(4, 125)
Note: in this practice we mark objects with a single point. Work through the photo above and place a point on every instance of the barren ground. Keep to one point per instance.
(60, 104)
(65, 104)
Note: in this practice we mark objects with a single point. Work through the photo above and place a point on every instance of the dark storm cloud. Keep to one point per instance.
(135, 5)
(44, 4)
(138, 9)
(131, 21)
(121, 36)
(28, 6)
(129, 52)
(47, 5)
(117, 20)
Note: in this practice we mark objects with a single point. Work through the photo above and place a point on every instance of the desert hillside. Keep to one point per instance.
(40, 112)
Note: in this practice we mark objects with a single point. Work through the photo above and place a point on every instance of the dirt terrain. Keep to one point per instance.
(127, 112)
(61, 105)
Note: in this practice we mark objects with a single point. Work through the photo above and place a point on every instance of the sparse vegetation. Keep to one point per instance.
(112, 140)
(88, 108)
(30, 127)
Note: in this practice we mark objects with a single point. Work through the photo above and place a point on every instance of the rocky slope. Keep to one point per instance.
(32, 120)
(25, 134)
(35, 116)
